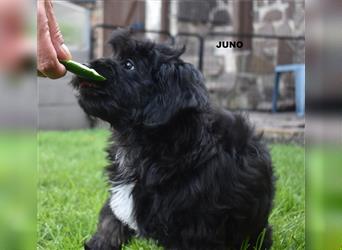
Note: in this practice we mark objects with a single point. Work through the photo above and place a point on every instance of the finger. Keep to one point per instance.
(63, 52)
(48, 63)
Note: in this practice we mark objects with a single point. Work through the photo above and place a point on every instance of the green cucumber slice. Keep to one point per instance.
(82, 71)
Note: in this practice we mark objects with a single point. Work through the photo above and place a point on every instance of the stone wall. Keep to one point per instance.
(244, 78)
(238, 78)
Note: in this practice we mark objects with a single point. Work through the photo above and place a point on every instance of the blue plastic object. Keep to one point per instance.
(299, 72)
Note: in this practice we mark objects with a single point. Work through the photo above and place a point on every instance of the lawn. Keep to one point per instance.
(72, 188)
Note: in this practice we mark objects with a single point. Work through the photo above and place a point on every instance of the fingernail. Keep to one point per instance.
(66, 51)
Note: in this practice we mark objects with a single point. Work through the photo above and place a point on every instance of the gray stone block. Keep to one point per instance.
(242, 61)
(221, 17)
(213, 65)
(285, 52)
(273, 15)
(245, 94)
(195, 11)
(265, 85)
(260, 64)
(284, 29)
(290, 10)
(266, 29)
(224, 82)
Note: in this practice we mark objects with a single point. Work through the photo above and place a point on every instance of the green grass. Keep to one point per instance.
(72, 188)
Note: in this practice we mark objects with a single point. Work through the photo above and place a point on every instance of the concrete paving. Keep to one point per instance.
(279, 127)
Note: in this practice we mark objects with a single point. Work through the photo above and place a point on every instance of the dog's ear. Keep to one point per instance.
(120, 40)
(177, 87)
(125, 43)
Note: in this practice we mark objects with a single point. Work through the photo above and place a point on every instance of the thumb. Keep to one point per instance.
(62, 50)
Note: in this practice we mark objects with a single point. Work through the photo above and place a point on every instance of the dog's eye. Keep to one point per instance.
(128, 64)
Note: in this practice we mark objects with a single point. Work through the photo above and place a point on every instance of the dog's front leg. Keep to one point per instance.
(110, 234)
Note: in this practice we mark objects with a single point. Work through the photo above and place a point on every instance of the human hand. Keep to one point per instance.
(51, 47)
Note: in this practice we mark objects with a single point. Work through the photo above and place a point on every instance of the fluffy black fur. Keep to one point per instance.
(203, 180)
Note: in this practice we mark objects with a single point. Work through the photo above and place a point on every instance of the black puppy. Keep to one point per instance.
(181, 172)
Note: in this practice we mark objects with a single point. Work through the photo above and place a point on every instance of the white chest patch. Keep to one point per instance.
(122, 204)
